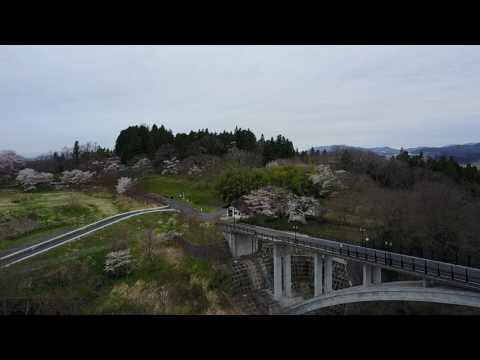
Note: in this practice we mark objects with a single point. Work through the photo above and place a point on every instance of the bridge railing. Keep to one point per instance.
(459, 274)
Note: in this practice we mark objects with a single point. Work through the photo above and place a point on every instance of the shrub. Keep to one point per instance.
(236, 182)
(118, 263)
(239, 181)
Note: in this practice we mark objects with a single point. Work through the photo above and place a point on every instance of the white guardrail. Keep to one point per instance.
(122, 217)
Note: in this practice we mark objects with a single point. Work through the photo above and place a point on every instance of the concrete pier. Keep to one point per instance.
(367, 275)
(277, 272)
(376, 275)
(371, 275)
(241, 245)
(318, 274)
(328, 263)
(287, 260)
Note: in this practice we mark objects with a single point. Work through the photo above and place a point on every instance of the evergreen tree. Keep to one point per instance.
(76, 153)
(137, 140)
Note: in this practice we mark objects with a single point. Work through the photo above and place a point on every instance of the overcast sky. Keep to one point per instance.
(406, 96)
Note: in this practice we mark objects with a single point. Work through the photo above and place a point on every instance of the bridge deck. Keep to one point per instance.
(457, 275)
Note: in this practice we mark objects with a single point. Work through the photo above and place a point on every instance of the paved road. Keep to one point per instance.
(456, 275)
(191, 212)
(41, 247)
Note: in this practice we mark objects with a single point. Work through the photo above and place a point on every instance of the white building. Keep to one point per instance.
(233, 212)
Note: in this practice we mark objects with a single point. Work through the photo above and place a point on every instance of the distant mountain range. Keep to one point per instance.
(462, 153)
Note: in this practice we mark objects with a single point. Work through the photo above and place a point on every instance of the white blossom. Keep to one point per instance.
(30, 178)
(76, 177)
(10, 162)
(118, 262)
(124, 183)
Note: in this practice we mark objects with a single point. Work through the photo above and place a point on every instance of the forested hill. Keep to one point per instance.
(159, 141)
(467, 153)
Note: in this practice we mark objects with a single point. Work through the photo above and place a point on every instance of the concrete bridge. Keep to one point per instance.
(441, 282)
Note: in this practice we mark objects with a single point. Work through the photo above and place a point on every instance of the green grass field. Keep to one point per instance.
(30, 217)
(199, 192)
(34, 237)
(168, 282)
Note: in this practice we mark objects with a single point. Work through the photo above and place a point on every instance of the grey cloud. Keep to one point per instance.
(359, 95)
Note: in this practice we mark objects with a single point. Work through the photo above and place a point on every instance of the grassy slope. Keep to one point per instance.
(54, 212)
(199, 191)
(19, 203)
(75, 270)
(34, 237)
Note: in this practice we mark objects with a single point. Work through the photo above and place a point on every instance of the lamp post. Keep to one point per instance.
(362, 232)
(295, 227)
(366, 243)
(390, 245)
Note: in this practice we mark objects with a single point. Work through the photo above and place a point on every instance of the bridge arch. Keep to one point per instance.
(394, 291)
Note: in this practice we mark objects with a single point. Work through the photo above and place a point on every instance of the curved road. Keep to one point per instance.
(190, 211)
(41, 247)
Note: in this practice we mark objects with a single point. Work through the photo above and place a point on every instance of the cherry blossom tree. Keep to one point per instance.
(30, 178)
(10, 162)
(124, 183)
(76, 177)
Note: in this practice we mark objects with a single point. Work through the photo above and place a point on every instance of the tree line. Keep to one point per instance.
(419, 205)
(160, 142)
(69, 158)
(404, 170)
(443, 164)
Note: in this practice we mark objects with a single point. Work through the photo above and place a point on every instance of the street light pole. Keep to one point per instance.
(364, 236)
(391, 250)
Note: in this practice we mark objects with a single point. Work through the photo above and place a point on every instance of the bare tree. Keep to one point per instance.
(147, 243)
